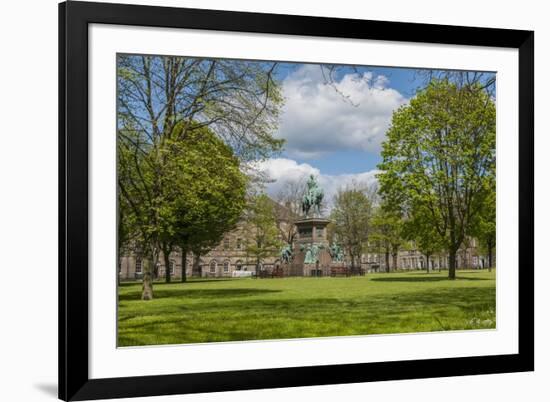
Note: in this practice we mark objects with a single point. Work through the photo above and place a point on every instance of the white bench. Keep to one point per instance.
(241, 274)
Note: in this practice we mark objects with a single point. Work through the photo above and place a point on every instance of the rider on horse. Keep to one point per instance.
(313, 197)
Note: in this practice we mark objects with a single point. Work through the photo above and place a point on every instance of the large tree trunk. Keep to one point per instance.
(454, 244)
(155, 270)
(490, 252)
(394, 261)
(427, 263)
(183, 264)
(166, 254)
(119, 271)
(196, 264)
(147, 288)
(387, 255)
(452, 263)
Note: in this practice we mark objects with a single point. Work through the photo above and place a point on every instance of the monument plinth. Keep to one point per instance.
(311, 253)
(312, 230)
(311, 249)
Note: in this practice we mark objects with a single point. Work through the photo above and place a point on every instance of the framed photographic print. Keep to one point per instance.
(258, 201)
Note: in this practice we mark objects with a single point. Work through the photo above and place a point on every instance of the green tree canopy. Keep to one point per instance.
(165, 101)
(206, 194)
(420, 230)
(387, 233)
(439, 157)
(485, 225)
(184, 193)
(351, 221)
(262, 233)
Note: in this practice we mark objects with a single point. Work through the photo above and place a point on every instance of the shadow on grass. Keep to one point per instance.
(128, 283)
(468, 299)
(197, 293)
(425, 279)
(230, 320)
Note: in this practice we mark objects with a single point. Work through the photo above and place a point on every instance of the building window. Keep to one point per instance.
(172, 267)
(239, 244)
(213, 265)
(226, 266)
(226, 244)
(239, 265)
(138, 266)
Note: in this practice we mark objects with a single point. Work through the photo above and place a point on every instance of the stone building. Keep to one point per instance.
(409, 258)
(229, 258)
(222, 261)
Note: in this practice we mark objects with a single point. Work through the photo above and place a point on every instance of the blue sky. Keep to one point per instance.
(334, 130)
(334, 127)
(348, 159)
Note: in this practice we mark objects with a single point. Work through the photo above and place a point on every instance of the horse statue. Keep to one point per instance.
(286, 254)
(313, 197)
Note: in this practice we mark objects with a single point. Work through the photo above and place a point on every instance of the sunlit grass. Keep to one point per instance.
(247, 309)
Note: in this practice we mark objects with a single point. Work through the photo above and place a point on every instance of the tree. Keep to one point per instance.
(351, 216)
(207, 192)
(440, 157)
(387, 228)
(289, 209)
(199, 196)
(124, 242)
(137, 217)
(262, 239)
(420, 229)
(475, 80)
(485, 226)
(238, 100)
(162, 101)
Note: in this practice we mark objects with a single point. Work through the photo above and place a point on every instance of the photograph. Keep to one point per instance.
(269, 200)
(275, 201)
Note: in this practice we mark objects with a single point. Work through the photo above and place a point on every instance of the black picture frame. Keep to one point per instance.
(74, 381)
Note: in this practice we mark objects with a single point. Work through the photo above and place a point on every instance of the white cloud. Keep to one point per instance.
(318, 119)
(283, 170)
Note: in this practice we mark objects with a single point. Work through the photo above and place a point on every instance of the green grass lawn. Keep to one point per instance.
(218, 310)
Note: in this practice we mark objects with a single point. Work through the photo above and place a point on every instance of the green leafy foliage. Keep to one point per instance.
(387, 234)
(421, 232)
(439, 160)
(184, 127)
(205, 189)
(184, 192)
(351, 216)
(262, 232)
(484, 227)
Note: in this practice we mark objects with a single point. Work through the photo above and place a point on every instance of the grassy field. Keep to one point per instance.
(218, 310)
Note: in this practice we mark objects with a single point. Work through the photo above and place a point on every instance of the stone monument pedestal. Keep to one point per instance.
(311, 249)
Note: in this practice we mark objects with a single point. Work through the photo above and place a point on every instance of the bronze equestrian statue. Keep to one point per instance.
(312, 199)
